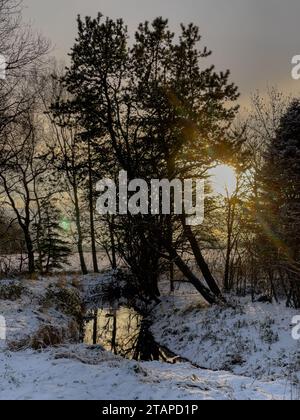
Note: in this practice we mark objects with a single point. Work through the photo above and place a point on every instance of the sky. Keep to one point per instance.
(255, 39)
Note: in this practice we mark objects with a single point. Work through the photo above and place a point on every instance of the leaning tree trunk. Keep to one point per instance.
(211, 282)
(207, 294)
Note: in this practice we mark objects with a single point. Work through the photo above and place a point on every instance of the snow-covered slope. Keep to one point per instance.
(254, 339)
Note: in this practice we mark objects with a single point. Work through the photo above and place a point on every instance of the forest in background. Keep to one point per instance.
(150, 106)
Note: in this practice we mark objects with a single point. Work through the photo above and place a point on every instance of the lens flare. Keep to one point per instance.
(65, 224)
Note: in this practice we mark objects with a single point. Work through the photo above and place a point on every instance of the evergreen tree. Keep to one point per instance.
(156, 112)
(53, 247)
(280, 202)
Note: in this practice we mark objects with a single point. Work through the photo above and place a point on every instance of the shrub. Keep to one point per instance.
(65, 300)
(46, 336)
(267, 334)
(11, 291)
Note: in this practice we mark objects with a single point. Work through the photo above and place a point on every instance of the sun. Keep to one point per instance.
(223, 180)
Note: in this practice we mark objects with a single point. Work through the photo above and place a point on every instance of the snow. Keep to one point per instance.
(267, 368)
(23, 316)
(252, 339)
(30, 375)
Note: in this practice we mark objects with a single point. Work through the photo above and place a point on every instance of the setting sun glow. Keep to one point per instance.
(223, 180)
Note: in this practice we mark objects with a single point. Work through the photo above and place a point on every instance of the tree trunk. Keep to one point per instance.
(79, 233)
(211, 282)
(114, 333)
(30, 252)
(172, 283)
(186, 271)
(171, 174)
(95, 327)
(91, 209)
(113, 244)
(229, 245)
(227, 269)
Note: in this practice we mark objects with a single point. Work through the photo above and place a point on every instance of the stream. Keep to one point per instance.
(126, 333)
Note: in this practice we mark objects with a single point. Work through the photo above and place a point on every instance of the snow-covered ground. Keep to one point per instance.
(246, 359)
(80, 372)
(251, 339)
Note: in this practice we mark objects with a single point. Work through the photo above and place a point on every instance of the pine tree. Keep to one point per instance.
(155, 111)
(280, 204)
(52, 247)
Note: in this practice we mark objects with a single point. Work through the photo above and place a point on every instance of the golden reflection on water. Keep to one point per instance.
(117, 330)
